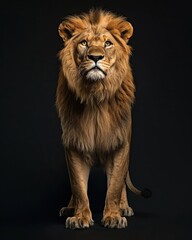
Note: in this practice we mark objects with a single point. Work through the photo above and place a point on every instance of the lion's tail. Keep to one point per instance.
(146, 193)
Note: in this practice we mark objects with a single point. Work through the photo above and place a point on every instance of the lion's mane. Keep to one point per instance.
(95, 115)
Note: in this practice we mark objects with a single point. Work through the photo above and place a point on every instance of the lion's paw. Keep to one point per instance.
(128, 212)
(114, 221)
(78, 222)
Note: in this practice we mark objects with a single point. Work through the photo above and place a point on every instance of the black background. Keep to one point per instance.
(34, 182)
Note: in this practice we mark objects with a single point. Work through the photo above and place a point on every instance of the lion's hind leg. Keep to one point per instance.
(125, 209)
(69, 210)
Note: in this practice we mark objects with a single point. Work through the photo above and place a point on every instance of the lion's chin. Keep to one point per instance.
(95, 75)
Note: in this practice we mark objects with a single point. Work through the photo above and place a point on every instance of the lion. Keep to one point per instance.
(94, 98)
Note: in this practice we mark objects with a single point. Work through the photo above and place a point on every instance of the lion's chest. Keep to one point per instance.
(94, 130)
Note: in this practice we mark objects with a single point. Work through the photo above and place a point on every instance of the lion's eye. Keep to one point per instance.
(108, 43)
(83, 43)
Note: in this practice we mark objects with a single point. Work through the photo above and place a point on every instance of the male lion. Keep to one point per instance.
(94, 96)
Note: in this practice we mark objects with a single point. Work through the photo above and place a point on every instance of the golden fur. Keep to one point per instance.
(94, 96)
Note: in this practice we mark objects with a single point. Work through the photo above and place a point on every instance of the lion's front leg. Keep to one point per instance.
(79, 174)
(115, 177)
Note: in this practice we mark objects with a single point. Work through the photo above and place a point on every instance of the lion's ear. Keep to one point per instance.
(126, 30)
(65, 30)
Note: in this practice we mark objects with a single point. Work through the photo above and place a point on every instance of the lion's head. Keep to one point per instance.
(95, 57)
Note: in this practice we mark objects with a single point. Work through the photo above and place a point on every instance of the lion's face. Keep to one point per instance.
(95, 55)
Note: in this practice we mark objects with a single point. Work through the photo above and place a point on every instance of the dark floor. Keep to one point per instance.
(141, 226)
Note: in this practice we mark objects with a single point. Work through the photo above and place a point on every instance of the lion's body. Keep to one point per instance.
(94, 97)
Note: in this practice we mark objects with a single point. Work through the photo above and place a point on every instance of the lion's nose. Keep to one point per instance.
(95, 58)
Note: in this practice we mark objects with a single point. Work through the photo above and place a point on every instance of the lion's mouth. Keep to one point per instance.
(95, 74)
(97, 68)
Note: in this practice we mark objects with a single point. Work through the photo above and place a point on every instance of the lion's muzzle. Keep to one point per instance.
(95, 74)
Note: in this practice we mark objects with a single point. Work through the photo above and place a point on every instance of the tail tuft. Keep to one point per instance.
(146, 193)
